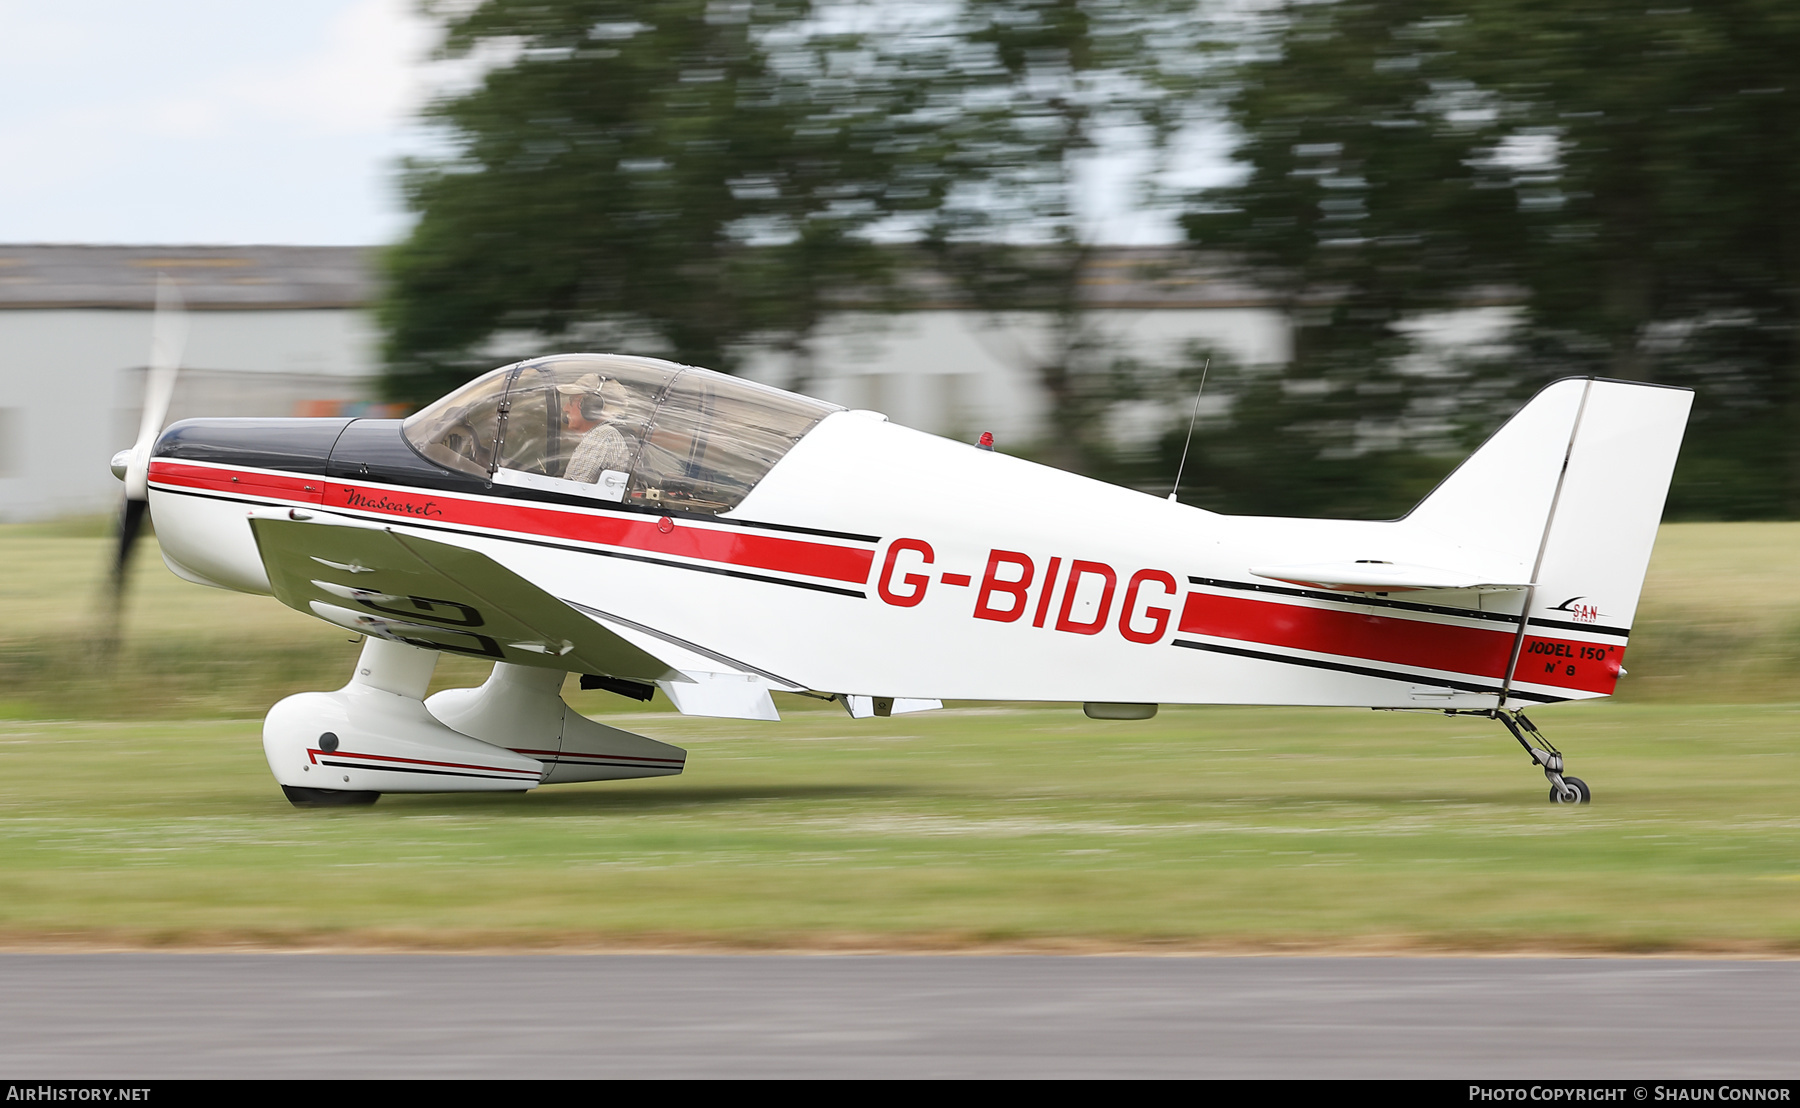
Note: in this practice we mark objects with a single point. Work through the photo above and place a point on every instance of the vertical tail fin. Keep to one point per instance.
(1571, 489)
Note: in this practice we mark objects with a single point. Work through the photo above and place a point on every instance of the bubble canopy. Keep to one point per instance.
(607, 427)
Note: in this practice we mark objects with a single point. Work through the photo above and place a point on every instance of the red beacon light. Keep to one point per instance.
(986, 441)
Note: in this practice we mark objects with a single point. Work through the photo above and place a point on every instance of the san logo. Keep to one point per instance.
(1581, 613)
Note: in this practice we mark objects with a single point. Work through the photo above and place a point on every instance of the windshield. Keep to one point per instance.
(608, 427)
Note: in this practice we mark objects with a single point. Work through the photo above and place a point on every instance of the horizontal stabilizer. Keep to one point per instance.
(1379, 576)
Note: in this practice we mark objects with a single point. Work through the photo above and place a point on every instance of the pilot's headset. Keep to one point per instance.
(597, 395)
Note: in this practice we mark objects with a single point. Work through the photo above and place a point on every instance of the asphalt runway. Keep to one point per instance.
(140, 1016)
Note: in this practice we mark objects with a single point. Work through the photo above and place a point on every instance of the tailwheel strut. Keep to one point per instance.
(1563, 788)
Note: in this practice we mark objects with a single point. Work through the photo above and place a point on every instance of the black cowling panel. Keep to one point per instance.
(292, 445)
(374, 450)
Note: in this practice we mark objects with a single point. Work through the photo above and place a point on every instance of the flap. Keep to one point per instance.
(1370, 575)
(862, 707)
(692, 661)
(722, 696)
(373, 580)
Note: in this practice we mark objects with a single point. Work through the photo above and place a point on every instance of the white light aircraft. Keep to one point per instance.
(649, 526)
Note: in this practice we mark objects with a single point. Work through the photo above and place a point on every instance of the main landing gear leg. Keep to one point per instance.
(1563, 788)
(375, 735)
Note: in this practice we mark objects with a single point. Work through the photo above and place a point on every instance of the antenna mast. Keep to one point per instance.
(1190, 434)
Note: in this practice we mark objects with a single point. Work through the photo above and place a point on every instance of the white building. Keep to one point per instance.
(945, 369)
(288, 330)
(272, 330)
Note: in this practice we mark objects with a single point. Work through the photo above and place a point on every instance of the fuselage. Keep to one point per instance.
(876, 559)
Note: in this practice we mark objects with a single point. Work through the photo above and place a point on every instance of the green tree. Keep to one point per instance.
(1626, 177)
(1031, 94)
(691, 175)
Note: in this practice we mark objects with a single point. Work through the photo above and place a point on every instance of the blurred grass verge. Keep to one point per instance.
(1205, 829)
(1720, 617)
(184, 652)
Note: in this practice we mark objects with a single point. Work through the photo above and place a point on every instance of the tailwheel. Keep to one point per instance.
(1563, 789)
(1572, 791)
(328, 798)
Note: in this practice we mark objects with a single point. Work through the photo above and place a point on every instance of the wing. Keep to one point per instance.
(436, 595)
(378, 581)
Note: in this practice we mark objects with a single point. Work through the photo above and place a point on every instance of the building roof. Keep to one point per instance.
(224, 278)
(1116, 277)
(211, 278)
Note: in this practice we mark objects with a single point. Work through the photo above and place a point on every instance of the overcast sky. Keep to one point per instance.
(232, 121)
(214, 121)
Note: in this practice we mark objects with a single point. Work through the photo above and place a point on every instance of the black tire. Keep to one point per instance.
(1584, 796)
(328, 798)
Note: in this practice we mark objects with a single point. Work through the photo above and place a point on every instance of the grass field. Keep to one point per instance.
(136, 808)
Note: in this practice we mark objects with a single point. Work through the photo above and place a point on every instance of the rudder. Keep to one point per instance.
(1571, 489)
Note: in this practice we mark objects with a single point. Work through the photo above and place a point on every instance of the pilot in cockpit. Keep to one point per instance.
(592, 407)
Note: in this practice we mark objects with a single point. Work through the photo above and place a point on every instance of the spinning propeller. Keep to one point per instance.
(168, 333)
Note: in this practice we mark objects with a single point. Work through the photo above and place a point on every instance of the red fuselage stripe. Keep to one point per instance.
(1478, 651)
(287, 486)
(731, 547)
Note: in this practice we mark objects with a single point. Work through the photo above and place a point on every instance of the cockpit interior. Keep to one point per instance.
(636, 431)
